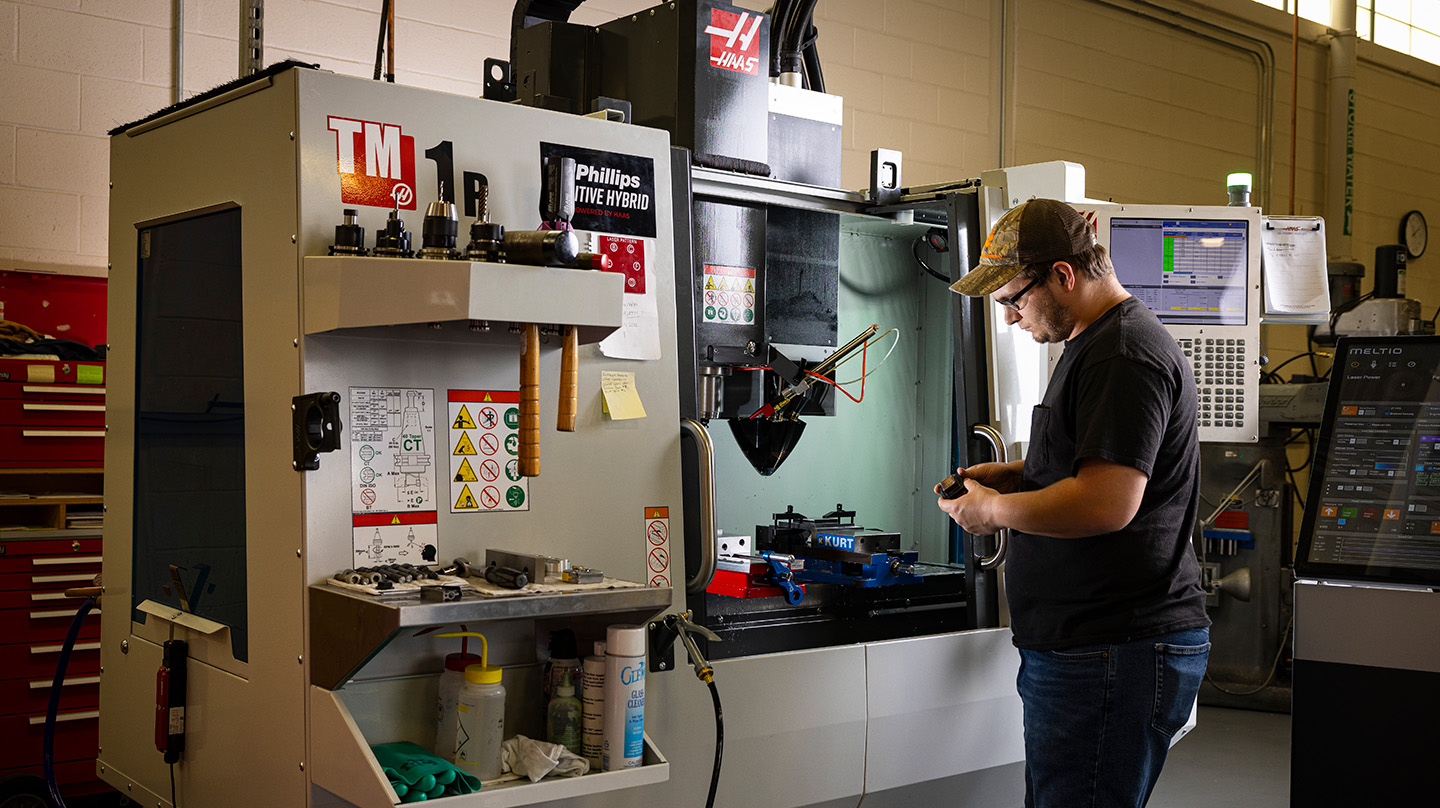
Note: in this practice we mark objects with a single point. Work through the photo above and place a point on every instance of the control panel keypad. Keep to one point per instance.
(1221, 365)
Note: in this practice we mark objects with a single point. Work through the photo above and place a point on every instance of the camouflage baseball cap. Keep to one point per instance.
(1032, 232)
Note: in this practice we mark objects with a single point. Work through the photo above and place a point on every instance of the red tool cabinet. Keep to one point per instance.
(52, 426)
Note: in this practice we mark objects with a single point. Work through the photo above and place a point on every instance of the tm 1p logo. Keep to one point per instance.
(733, 41)
(375, 161)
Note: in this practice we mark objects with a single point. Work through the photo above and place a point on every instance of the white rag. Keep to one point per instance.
(535, 759)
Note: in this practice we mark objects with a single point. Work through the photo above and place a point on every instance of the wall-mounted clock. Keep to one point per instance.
(1414, 233)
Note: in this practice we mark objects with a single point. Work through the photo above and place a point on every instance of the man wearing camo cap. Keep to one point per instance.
(1104, 590)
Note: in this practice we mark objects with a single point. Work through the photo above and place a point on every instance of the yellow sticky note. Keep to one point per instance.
(620, 398)
(90, 374)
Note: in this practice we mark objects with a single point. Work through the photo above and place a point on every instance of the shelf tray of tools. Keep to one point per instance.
(343, 292)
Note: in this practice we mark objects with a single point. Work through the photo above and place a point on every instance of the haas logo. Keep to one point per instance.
(733, 41)
(376, 163)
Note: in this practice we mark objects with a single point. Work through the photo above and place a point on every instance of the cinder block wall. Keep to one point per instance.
(1157, 104)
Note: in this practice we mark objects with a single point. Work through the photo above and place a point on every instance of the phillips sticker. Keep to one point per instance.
(392, 471)
(614, 193)
(484, 452)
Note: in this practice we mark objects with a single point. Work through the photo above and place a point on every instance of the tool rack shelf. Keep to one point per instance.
(359, 626)
(345, 292)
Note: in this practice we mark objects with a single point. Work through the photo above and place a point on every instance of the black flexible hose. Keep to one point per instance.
(810, 53)
(719, 744)
(780, 13)
(47, 747)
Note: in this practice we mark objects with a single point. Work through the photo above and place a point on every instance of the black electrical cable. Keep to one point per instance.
(1273, 667)
(719, 744)
(1275, 374)
(810, 53)
(915, 251)
(52, 707)
(1335, 315)
(380, 46)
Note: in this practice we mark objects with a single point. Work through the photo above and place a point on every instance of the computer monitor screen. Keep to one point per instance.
(1373, 511)
(1187, 271)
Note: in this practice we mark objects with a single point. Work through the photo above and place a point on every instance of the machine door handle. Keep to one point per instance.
(706, 449)
(992, 436)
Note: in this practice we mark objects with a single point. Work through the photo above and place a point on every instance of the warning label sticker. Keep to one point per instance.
(485, 444)
(657, 546)
(392, 471)
(728, 295)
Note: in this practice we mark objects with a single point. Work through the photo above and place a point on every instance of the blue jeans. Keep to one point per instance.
(1099, 718)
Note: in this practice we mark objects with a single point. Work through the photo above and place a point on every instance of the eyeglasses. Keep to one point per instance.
(1013, 303)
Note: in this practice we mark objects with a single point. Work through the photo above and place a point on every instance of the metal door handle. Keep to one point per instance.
(992, 436)
(706, 448)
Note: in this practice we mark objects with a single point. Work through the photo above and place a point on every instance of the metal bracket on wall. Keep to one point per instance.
(316, 428)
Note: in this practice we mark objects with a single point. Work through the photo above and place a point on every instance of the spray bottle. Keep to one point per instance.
(593, 701)
(624, 743)
(480, 726)
(563, 719)
(451, 680)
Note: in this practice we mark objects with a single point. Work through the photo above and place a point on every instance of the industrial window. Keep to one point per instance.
(1408, 26)
(189, 530)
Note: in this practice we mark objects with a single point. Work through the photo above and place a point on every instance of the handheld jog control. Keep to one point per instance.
(951, 487)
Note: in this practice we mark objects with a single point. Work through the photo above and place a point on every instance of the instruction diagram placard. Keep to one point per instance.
(392, 471)
(484, 452)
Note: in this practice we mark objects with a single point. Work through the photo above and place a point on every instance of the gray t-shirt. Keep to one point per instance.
(1123, 392)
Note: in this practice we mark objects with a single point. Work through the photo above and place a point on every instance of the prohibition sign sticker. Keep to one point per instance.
(488, 444)
(489, 497)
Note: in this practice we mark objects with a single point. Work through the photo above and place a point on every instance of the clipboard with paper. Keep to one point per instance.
(1293, 265)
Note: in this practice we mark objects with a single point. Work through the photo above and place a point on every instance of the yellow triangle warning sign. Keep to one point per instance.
(394, 520)
(463, 420)
(749, 286)
(710, 283)
(488, 399)
(466, 501)
(465, 474)
(464, 447)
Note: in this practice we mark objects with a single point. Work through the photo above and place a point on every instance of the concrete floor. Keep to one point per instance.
(1238, 758)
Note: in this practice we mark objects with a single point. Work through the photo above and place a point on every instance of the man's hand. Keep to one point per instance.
(1003, 477)
(975, 511)
(984, 482)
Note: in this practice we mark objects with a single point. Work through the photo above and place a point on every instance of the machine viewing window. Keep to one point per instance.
(189, 531)
(1187, 271)
(1373, 512)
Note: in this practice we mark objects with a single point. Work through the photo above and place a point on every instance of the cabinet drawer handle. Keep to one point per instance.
(36, 720)
(61, 579)
(62, 433)
(36, 597)
(58, 613)
(55, 649)
(39, 388)
(55, 562)
(69, 680)
(63, 407)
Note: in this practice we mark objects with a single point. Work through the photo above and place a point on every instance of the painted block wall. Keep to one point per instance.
(1157, 104)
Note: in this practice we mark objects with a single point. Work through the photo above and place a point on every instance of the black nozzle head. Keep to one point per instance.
(766, 442)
